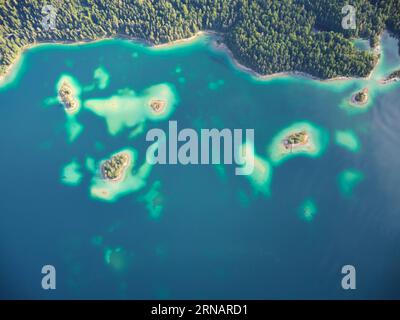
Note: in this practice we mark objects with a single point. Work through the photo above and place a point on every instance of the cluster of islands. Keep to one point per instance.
(114, 169)
(114, 176)
(120, 115)
(127, 109)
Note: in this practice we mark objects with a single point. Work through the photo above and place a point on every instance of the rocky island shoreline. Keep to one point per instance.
(157, 106)
(114, 169)
(295, 139)
(360, 98)
(67, 97)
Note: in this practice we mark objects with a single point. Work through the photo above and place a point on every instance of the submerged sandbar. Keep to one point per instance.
(127, 109)
(348, 179)
(348, 140)
(307, 210)
(261, 175)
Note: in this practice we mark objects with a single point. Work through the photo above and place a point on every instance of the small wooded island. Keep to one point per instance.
(67, 97)
(295, 139)
(360, 98)
(114, 168)
(157, 105)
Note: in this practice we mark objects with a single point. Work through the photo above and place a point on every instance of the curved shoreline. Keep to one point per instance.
(217, 46)
(224, 48)
(67, 82)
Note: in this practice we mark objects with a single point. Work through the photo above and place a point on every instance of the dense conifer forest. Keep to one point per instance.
(266, 35)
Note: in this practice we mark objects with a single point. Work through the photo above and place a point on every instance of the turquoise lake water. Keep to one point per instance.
(196, 232)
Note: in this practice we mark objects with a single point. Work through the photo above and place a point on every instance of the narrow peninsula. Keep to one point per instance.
(392, 77)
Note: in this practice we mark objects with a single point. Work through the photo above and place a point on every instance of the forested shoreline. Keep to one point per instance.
(267, 36)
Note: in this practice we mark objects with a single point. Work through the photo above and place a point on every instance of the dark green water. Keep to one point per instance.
(198, 231)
